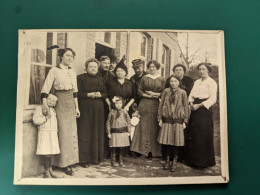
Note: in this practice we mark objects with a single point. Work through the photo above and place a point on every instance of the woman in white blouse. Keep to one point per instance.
(200, 132)
(62, 81)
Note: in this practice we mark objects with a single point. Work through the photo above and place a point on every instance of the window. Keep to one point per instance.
(107, 37)
(143, 46)
(166, 61)
(42, 60)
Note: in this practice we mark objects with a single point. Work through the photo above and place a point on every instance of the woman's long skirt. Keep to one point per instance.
(199, 147)
(146, 133)
(91, 130)
(67, 129)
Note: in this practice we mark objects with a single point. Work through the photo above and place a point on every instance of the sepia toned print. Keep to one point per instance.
(121, 107)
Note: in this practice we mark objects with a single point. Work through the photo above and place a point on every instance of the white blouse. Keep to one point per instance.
(60, 78)
(204, 89)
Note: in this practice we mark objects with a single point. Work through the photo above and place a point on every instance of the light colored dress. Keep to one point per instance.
(61, 80)
(48, 142)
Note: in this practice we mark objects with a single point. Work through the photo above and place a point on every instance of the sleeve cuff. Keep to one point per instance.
(75, 94)
(44, 95)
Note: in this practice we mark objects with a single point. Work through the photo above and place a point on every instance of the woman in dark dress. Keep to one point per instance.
(200, 132)
(150, 88)
(91, 124)
(120, 86)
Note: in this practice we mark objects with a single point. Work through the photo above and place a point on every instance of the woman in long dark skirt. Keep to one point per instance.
(91, 124)
(200, 132)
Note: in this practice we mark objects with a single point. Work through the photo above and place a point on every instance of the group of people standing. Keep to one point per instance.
(94, 113)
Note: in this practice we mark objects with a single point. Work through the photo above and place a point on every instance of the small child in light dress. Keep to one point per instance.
(134, 120)
(173, 117)
(118, 128)
(47, 143)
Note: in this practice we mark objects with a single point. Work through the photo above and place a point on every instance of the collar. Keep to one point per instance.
(153, 76)
(61, 66)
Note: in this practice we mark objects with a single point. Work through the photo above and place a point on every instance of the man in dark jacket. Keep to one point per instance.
(186, 82)
(138, 66)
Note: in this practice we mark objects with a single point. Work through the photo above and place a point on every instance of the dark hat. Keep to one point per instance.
(121, 65)
(208, 66)
(137, 63)
(179, 65)
(113, 58)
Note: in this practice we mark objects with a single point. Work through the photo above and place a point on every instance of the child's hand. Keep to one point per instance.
(109, 135)
(45, 110)
(160, 122)
(184, 125)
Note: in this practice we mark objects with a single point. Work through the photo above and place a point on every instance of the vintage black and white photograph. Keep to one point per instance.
(121, 107)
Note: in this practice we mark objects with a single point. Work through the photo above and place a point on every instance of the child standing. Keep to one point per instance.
(47, 144)
(173, 117)
(118, 129)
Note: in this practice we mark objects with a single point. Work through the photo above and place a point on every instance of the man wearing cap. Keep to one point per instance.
(113, 63)
(186, 82)
(138, 66)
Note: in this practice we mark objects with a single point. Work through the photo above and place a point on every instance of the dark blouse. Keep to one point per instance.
(148, 84)
(88, 83)
(125, 90)
(107, 76)
(185, 84)
(135, 80)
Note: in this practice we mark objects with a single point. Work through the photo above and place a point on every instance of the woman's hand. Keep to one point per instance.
(92, 95)
(77, 113)
(184, 125)
(160, 122)
(109, 135)
(126, 108)
(195, 107)
(98, 94)
(149, 92)
(45, 109)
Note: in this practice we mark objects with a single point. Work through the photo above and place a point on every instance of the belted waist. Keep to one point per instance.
(198, 101)
(172, 121)
(119, 130)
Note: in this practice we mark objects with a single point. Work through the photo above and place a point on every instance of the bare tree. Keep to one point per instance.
(185, 55)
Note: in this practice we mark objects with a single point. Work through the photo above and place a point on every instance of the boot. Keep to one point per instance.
(46, 173)
(166, 165)
(121, 154)
(113, 157)
(174, 164)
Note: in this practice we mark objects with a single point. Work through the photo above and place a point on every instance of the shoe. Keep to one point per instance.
(121, 153)
(84, 165)
(113, 157)
(167, 163)
(47, 174)
(68, 171)
(174, 165)
(150, 156)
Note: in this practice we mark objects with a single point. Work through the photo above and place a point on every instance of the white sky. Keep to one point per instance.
(202, 43)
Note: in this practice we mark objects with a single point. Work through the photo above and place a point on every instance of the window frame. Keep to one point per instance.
(29, 63)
